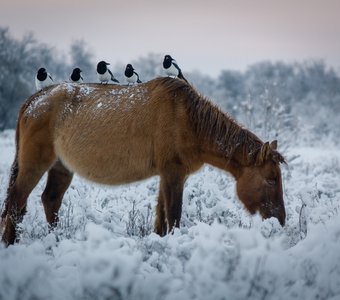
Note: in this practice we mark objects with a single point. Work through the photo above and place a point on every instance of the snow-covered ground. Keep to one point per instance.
(104, 247)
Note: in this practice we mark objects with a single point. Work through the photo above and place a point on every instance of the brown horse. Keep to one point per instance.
(114, 134)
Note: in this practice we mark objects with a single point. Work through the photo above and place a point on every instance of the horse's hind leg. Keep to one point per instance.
(17, 200)
(160, 223)
(59, 179)
(32, 164)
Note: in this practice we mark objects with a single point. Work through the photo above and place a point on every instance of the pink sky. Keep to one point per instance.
(204, 35)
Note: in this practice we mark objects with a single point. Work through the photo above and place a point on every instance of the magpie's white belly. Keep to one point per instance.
(42, 84)
(104, 77)
(131, 79)
(172, 71)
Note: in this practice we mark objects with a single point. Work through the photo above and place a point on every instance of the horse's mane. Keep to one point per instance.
(210, 123)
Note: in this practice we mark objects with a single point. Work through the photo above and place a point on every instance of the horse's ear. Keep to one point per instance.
(264, 153)
(273, 145)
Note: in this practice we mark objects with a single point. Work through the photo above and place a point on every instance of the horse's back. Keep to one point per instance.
(108, 134)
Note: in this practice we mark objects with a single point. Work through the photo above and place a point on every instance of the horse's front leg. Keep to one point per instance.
(171, 191)
(160, 223)
(58, 180)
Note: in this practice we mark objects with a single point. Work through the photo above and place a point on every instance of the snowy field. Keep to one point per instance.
(104, 247)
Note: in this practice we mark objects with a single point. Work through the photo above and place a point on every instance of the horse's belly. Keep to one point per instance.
(108, 165)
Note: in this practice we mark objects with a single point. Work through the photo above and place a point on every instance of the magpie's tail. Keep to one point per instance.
(180, 75)
(139, 81)
(114, 80)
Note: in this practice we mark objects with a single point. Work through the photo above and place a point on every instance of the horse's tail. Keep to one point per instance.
(14, 169)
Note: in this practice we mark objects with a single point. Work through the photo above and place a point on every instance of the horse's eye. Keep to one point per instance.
(271, 181)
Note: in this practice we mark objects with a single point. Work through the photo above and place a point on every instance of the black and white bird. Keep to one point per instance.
(75, 76)
(104, 74)
(42, 79)
(171, 67)
(130, 74)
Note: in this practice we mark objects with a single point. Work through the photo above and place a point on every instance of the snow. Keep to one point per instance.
(104, 247)
(85, 90)
(39, 102)
(136, 94)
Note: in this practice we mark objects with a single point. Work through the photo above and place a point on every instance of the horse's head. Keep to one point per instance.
(259, 186)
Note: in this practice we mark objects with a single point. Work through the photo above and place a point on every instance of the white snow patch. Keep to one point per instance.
(37, 103)
(86, 90)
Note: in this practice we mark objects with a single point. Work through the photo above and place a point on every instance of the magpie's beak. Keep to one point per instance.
(107, 63)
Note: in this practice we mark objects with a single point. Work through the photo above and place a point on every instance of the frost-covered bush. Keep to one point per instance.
(139, 221)
(268, 116)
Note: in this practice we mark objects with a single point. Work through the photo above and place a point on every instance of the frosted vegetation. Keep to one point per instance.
(104, 246)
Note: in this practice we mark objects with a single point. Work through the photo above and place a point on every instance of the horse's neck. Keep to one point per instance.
(223, 142)
(233, 151)
(217, 160)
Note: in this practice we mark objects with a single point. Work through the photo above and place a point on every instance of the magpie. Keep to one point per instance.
(42, 79)
(104, 74)
(171, 67)
(75, 76)
(130, 74)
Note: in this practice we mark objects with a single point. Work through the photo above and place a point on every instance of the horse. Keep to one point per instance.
(113, 135)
